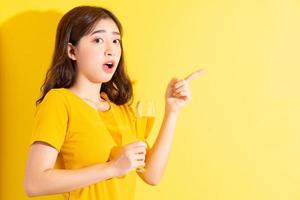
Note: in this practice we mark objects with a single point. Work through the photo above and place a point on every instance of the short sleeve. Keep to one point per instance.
(51, 120)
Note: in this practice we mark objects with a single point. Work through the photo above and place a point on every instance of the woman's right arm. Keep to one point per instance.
(42, 179)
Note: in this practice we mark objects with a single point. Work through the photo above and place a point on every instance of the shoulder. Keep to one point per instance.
(54, 97)
(55, 93)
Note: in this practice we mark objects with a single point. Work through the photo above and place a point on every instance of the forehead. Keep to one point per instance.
(105, 24)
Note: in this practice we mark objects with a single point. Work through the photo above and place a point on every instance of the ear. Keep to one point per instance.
(71, 51)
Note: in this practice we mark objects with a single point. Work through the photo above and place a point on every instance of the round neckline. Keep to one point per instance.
(102, 94)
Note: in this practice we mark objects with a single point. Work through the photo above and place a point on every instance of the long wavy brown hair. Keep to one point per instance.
(75, 24)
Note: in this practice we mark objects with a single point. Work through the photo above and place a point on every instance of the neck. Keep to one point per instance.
(87, 90)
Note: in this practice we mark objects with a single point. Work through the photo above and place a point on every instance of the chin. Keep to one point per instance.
(103, 79)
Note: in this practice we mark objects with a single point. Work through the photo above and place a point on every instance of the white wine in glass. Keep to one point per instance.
(145, 115)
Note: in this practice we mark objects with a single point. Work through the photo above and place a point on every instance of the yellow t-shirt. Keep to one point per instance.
(84, 136)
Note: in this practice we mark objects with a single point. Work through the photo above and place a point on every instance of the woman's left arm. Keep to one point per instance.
(177, 96)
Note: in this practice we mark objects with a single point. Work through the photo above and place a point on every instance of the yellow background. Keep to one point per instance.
(238, 139)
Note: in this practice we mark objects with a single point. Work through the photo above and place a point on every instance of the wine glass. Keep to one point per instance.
(145, 115)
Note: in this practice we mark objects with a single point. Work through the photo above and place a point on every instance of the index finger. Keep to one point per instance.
(194, 75)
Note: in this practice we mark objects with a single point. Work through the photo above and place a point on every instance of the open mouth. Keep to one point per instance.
(109, 65)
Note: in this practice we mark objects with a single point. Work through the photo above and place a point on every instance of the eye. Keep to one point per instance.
(99, 40)
(117, 41)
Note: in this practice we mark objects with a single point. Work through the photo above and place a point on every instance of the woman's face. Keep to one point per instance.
(98, 53)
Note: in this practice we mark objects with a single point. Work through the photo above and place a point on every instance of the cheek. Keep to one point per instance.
(89, 57)
(118, 53)
(91, 52)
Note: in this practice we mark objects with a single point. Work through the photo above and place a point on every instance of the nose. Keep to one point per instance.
(110, 51)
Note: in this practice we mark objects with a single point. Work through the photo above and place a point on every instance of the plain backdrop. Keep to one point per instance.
(238, 139)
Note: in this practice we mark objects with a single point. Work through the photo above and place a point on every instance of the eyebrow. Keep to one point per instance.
(104, 31)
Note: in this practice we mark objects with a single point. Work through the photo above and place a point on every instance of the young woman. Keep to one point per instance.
(84, 112)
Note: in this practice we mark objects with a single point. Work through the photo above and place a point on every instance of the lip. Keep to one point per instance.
(106, 68)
